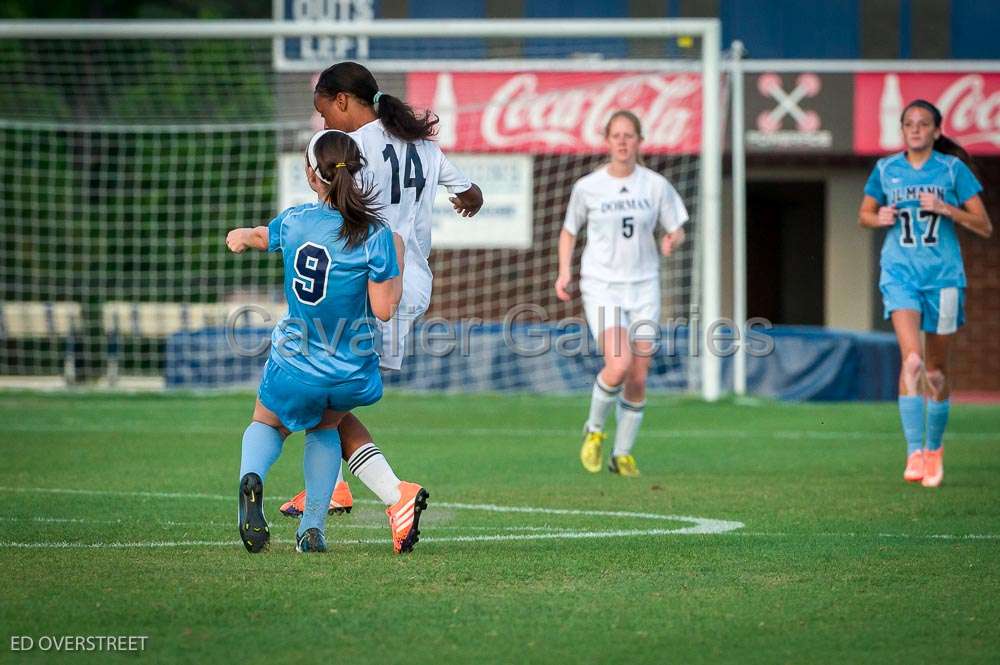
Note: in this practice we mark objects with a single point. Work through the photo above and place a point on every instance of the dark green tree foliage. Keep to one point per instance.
(123, 164)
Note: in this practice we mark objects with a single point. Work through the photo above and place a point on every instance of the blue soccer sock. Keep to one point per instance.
(937, 420)
(321, 463)
(261, 447)
(911, 412)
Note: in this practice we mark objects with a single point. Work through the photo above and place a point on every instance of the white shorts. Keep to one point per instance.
(634, 306)
(395, 335)
(416, 298)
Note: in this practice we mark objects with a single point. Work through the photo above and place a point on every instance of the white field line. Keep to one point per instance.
(793, 435)
(697, 525)
(700, 524)
(626, 533)
(335, 523)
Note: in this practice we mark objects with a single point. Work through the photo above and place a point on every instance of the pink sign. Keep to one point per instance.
(969, 103)
(558, 112)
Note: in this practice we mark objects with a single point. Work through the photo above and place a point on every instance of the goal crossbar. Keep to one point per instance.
(400, 28)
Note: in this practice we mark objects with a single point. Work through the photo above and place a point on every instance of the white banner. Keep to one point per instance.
(504, 222)
(293, 189)
(313, 54)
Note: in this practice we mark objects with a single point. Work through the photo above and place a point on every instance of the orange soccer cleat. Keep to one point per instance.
(340, 502)
(404, 516)
(914, 467)
(933, 467)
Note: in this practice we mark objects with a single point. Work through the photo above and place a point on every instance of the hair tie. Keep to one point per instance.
(339, 165)
(376, 98)
(311, 151)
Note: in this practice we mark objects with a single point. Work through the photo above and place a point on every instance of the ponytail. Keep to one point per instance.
(942, 143)
(398, 117)
(400, 120)
(948, 146)
(336, 159)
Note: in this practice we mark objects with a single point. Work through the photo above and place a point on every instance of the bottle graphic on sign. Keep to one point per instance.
(446, 108)
(890, 107)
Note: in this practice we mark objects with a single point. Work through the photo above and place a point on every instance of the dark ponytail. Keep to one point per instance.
(398, 117)
(942, 143)
(338, 159)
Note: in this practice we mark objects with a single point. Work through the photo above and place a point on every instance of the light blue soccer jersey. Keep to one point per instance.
(921, 250)
(327, 335)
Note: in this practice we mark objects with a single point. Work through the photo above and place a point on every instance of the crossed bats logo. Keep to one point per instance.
(806, 86)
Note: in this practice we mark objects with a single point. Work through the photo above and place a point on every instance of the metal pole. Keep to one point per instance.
(711, 198)
(390, 28)
(739, 219)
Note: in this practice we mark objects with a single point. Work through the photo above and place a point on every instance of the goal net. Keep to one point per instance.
(130, 150)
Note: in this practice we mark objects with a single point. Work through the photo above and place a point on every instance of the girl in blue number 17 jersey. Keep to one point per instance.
(341, 267)
(920, 195)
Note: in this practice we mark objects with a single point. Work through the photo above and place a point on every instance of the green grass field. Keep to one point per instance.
(119, 514)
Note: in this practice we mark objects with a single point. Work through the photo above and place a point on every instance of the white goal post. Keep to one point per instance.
(704, 33)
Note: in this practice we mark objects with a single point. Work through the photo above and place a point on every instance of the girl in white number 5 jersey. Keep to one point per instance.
(621, 203)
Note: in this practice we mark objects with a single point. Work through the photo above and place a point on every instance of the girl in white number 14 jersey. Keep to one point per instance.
(621, 203)
(404, 167)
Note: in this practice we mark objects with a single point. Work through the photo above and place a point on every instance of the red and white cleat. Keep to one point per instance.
(341, 502)
(404, 516)
(933, 468)
(914, 467)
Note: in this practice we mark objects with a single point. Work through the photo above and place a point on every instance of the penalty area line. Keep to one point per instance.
(566, 535)
(698, 524)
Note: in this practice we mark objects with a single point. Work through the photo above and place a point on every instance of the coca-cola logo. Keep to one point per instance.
(969, 112)
(518, 113)
(969, 104)
(563, 112)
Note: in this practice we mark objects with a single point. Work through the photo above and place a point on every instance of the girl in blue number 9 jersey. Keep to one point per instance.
(920, 195)
(341, 267)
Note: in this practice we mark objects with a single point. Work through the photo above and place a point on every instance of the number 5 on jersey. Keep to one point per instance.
(628, 226)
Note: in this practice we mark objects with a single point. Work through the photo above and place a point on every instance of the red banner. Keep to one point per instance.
(545, 112)
(969, 103)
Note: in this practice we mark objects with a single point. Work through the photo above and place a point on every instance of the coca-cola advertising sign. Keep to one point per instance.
(969, 103)
(546, 112)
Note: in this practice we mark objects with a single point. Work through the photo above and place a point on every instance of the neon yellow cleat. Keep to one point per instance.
(623, 465)
(590, 453)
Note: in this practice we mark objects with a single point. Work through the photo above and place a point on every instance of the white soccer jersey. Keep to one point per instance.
(405, 176)
(621, 215)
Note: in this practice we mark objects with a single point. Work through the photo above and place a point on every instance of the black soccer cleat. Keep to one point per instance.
(254, 532)
(311, 541)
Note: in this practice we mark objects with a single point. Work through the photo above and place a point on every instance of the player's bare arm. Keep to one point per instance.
(672, 241)
(240, 240)
(384, 296)
(972, 214)
(567, 241)
(873, 216)
(468, 202)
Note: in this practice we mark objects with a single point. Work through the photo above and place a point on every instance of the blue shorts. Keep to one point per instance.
(942, 311)
(300, 405)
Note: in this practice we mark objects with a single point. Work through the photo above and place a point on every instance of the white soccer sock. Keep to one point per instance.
(370, 466)
(340, 475)
(629, 417)
(601, 400)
